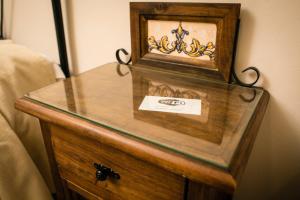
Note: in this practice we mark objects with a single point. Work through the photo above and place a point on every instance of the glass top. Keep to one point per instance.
(110, 96)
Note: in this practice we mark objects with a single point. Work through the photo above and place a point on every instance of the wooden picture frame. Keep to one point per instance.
(208, 54)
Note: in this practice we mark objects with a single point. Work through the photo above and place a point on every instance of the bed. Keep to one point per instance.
(24, 168)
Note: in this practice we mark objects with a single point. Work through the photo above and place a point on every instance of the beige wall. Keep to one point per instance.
(30, 22)
(269, 39)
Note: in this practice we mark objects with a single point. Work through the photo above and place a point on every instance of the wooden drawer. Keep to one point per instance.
(76, 154)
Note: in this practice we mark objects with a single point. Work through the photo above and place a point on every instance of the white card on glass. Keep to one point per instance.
(172, 105)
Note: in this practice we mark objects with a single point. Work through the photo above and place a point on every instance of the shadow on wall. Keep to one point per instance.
(244, 48)
(272, 168)
(289, 191)
(255, 181)
(269, 173)
(245, 38)
(285, 162)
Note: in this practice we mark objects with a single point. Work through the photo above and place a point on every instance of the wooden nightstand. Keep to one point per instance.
(102, 146)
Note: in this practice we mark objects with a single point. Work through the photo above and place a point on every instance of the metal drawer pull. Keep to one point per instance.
(103, 172)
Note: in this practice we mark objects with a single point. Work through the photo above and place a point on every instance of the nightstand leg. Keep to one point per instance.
(60, 185)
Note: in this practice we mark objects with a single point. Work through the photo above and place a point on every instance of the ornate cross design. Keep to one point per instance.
(196, 49)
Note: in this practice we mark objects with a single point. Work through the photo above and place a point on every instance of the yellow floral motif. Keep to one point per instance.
(196, 48)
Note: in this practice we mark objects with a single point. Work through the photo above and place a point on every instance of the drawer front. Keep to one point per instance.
(76, 154)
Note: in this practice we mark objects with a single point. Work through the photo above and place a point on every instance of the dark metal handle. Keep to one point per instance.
(102, 173)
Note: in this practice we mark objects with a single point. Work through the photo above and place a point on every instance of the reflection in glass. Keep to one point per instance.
(209, 125)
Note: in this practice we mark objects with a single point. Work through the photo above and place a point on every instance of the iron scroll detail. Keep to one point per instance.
(239, 82)
(120, 61)
(235, 77)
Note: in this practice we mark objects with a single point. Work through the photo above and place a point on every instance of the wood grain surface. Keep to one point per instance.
(76, 154)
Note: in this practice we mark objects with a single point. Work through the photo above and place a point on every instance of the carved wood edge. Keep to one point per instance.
(170, 161)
